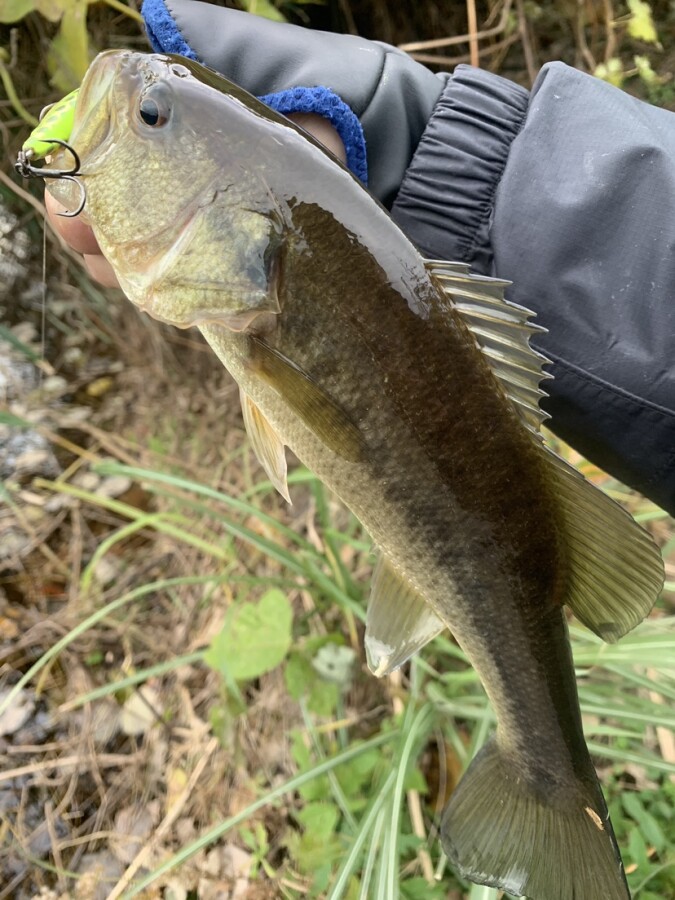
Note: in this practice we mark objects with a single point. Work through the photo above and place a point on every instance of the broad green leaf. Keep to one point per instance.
(641, 24)
(355, 776)
(13, 10)
(52, 9)
(319, 818)
(637, 848)
(318, 846)
(323, 697)
(298, 675)
(68, 57)
(255, 638)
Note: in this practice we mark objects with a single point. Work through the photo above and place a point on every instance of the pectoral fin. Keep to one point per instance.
(320, 413)
(266, 444)
(399, 622)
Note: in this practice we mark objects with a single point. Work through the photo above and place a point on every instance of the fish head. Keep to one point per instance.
(174, 160)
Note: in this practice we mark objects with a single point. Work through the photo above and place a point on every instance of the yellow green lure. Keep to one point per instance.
(53, 130)
(56, 123)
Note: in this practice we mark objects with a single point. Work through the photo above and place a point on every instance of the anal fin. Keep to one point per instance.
(399, 621)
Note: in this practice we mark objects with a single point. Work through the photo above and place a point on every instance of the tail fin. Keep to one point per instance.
(503, 831)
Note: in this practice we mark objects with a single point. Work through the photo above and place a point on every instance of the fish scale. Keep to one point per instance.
(409, 387)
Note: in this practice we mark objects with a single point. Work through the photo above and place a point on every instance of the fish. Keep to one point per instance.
(411, 389)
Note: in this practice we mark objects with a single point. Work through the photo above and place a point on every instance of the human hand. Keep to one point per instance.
(80, 236)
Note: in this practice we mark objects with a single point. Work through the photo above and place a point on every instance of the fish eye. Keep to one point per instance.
(154, 113)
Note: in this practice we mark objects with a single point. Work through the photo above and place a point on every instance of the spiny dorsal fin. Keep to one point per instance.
(266, 444)
(399, 621)
(502, 330)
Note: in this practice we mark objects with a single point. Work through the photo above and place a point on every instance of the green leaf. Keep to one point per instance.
(323, 698)
(255, 638)
(611, 71)
(645, 71)
(319, 818)
(641, 24)
(6, 334)
(52, 9)
(298, 675)
(638, 849)
(68, 57)
(13, 10)
(419, 889)
(8, 418)
(354, 776)
(315, 850)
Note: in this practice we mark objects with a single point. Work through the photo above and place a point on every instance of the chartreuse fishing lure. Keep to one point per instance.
(56, 124)
(52, 132)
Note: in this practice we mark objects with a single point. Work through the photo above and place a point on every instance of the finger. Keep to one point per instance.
(100, 269)
(73, 230)
(323, 131)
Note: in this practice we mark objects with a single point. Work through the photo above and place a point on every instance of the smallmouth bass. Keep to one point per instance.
(409, 387)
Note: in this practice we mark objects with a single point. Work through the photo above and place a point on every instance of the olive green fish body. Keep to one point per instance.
(410, 389)
(466, 512)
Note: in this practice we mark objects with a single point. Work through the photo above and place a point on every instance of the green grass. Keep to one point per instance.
(349, 832)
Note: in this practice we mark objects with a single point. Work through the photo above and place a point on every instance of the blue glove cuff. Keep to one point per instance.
(165, 37)
(326, 103)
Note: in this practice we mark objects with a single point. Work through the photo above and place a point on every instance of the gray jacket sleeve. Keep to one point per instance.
(570, 193)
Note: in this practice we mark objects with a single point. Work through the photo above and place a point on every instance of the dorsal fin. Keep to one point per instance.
(502, 330)
(615, 570)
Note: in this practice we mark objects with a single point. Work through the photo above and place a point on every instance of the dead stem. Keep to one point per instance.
(438, 43)
(523, 31)
(144, 854)
(104, 760)
(473, 31)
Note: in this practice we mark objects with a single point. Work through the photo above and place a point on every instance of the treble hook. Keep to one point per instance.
(26, 169)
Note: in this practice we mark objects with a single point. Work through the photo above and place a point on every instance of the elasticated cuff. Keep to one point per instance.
(446, 198)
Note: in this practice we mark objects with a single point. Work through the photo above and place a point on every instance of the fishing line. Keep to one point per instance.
(43, 317)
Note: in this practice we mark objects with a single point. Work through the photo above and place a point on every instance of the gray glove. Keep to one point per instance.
(289, 67)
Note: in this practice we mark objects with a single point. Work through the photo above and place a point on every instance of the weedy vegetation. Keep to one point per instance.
(185, 709)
